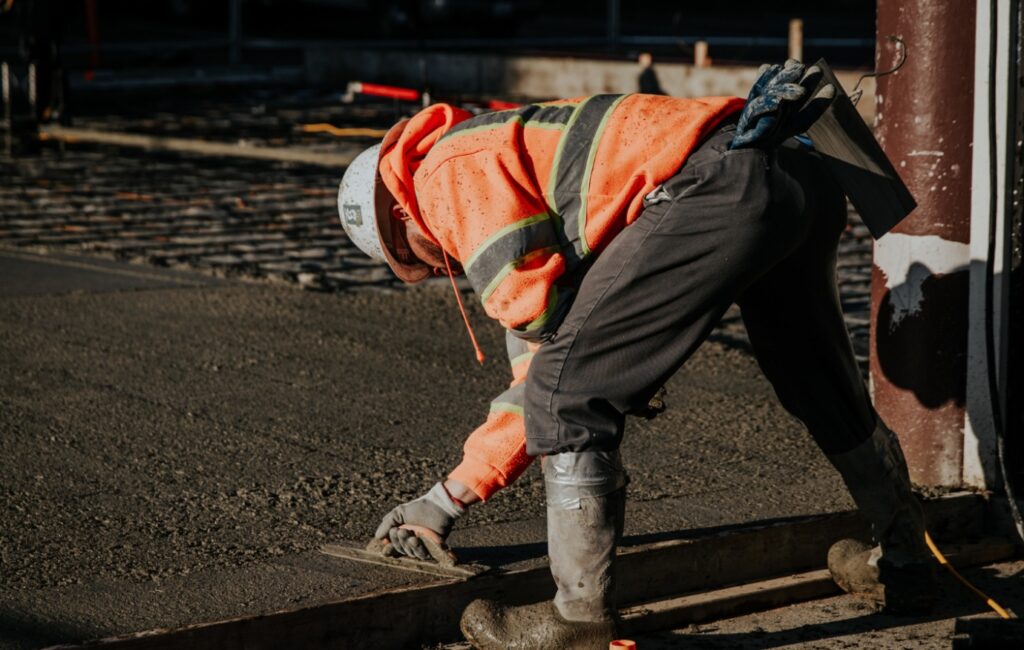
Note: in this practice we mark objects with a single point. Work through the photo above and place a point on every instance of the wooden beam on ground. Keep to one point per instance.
(767, 594)
(423, 614)
(301, 155)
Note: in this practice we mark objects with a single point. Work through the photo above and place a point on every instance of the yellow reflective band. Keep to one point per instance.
(550, 309)
(526, 356)
(514, 264)
(585, 185)
(522, 223)
(504, 407)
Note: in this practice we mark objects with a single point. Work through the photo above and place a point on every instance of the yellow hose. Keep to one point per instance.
(343, 133)
(943, 561)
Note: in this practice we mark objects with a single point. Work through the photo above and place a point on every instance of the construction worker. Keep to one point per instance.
(647, 81)
(608, 235)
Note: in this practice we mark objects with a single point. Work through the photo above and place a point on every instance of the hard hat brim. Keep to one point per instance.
(399, 256)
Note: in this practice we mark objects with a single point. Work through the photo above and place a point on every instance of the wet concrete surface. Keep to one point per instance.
(845, 622)
(174, 454)
(26, 273)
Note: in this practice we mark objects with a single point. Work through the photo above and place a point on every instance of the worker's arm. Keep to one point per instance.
(495, 453)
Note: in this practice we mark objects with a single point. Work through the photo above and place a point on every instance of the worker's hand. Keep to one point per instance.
(435, 511)
(780, 105)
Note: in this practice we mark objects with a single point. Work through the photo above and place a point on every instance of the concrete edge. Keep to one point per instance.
(302, 155)
(430, 613)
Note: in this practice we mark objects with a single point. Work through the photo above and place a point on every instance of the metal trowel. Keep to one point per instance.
(380, 551)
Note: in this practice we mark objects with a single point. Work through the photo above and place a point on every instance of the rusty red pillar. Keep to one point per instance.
(919, 283)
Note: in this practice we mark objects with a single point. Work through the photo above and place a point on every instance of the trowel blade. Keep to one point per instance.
(461, 571)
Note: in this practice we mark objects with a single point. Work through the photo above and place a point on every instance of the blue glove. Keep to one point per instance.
(778, 106)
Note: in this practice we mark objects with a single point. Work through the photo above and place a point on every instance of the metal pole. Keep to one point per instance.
(235, 31)
(920, 278)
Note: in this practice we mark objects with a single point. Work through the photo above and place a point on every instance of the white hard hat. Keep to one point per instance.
(364, 205)
(357, 203)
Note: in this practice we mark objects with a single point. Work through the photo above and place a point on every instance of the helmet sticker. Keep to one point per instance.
(353, 214)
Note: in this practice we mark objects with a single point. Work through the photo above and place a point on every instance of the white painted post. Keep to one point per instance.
(980, 467)
(796, 39)
(700, 54)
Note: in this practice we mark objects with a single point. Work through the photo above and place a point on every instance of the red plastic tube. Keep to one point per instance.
(501, 105)
(380, 90)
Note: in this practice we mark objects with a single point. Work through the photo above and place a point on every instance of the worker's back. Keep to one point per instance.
(521, 197)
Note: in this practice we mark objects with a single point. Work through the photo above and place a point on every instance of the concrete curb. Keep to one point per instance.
(302, 155)
(411, 616)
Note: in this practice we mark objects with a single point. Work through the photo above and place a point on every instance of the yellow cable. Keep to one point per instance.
(943, 561)
(343, 133)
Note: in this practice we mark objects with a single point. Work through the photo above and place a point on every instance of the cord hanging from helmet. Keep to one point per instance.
(465, 317)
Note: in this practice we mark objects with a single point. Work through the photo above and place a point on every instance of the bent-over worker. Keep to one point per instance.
(608, 235)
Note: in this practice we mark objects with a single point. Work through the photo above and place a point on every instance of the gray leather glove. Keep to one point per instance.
(435, 511)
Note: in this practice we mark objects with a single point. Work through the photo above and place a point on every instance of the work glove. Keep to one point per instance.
(780, 105)
(435, 511)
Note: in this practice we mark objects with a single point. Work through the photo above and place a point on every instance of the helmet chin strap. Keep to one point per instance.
(458, 298)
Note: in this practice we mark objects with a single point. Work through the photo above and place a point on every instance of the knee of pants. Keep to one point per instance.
(559, 420)
(570, 477)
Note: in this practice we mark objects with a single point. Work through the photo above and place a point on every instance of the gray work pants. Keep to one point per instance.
(755, 227)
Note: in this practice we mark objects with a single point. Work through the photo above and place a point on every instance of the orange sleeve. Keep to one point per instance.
(495, 453)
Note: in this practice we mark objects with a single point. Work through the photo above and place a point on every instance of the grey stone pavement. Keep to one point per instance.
(181, 426)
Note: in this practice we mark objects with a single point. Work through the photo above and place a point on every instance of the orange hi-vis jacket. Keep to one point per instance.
(525, 199)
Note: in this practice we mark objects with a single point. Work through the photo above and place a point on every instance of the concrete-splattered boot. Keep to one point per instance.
(586, 505)
(898, 575)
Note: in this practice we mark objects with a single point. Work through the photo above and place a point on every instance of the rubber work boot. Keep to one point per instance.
(859, 569)
(489, 625)
(581, 546)
(897, 576)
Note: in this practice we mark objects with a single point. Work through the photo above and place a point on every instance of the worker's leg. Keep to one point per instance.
(586, 499)
(644, 306)
(795, 323)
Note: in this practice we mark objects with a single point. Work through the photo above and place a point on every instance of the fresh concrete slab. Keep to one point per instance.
(170, 455)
